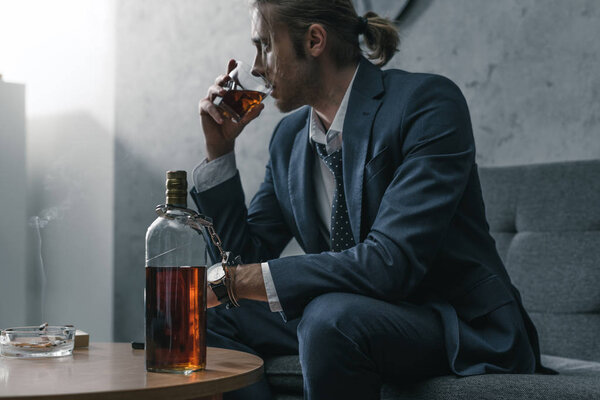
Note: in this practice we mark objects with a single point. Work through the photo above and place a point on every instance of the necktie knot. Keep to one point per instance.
(333, 161)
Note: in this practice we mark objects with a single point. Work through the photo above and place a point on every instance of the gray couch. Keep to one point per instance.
(546, 222)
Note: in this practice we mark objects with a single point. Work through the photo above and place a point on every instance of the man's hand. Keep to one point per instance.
(220, 133)
(248, 284)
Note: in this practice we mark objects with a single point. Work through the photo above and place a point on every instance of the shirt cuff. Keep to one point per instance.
(207, 174)
(274, 303)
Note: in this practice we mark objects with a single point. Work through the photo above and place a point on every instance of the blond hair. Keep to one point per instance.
(343, 26)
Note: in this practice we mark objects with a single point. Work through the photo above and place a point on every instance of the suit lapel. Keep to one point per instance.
(302, 192)
(362, 107)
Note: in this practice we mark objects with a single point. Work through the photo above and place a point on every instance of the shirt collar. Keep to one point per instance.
(332, 138)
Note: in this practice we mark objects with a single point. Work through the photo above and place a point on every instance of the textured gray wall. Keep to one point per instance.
(529, 70)
(63, 53)
(168, 53)
(13, 191)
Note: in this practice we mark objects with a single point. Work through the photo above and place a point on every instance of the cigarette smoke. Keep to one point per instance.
(39, 222)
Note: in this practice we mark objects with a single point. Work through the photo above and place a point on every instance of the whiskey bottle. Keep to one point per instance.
(175, 297)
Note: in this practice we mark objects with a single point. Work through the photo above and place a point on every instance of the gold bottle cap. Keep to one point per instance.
(176, 188)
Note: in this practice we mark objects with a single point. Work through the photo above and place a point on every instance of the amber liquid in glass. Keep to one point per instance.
(236, 103)
(175, 319)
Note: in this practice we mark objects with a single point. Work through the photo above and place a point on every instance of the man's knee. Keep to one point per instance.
(329, 336)
(327, 321)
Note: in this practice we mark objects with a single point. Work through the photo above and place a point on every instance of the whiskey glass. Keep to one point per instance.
(244, 90)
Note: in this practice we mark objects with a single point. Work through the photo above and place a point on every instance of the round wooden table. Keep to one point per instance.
(115, 371)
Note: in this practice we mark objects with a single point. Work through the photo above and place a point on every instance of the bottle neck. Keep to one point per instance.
(177, 211)
(176, 185)
(176, 202)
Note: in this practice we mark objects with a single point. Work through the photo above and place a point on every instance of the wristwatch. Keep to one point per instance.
(219, 277)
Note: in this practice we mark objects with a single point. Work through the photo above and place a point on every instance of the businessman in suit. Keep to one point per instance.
(374, 175)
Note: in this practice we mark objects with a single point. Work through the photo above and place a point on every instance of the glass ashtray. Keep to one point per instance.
(37, 341)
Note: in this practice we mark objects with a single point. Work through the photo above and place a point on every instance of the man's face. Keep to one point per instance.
(294, 79)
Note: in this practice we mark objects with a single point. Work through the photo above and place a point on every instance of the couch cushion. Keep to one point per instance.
(546, 222)
(559, 197)
(576, 334)
(500, 387)
(284, 373)
(557, 272)
(577, 379)
(498, 186)
(571, 366)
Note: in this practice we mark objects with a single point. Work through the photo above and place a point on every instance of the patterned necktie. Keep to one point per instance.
(340, 234)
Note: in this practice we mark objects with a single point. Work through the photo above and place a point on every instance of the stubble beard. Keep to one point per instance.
(302, 85)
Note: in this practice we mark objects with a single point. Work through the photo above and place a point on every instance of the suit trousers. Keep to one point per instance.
(348, 344)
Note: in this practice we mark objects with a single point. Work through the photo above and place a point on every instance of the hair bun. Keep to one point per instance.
(363, 24)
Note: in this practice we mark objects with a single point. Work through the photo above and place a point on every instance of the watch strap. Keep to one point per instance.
(223, 288)
(220, 290)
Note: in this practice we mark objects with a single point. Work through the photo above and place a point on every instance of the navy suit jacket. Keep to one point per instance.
(416, 213)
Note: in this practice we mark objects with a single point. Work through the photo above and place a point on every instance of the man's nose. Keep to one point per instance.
(258, 66)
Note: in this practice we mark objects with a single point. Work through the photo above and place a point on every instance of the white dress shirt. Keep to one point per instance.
(207, 175)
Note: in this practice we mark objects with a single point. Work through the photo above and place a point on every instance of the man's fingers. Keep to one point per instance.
(221, 79)
(215, 90)
(231, 65)
(206, 107)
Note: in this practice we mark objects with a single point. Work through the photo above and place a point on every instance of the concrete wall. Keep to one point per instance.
(13, 188)
(64, 54)
(168, 53)
(528, 68)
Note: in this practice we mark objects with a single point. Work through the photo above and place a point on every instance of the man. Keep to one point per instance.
(375, 177)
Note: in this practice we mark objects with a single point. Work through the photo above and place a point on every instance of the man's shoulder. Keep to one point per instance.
(395, 78)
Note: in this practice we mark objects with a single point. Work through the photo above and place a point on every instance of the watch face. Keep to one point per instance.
(215, 273)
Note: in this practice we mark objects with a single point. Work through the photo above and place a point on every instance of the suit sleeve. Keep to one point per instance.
(415, 213)
(257, 236)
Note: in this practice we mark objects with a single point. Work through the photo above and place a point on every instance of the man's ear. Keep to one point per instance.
(316, 40)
